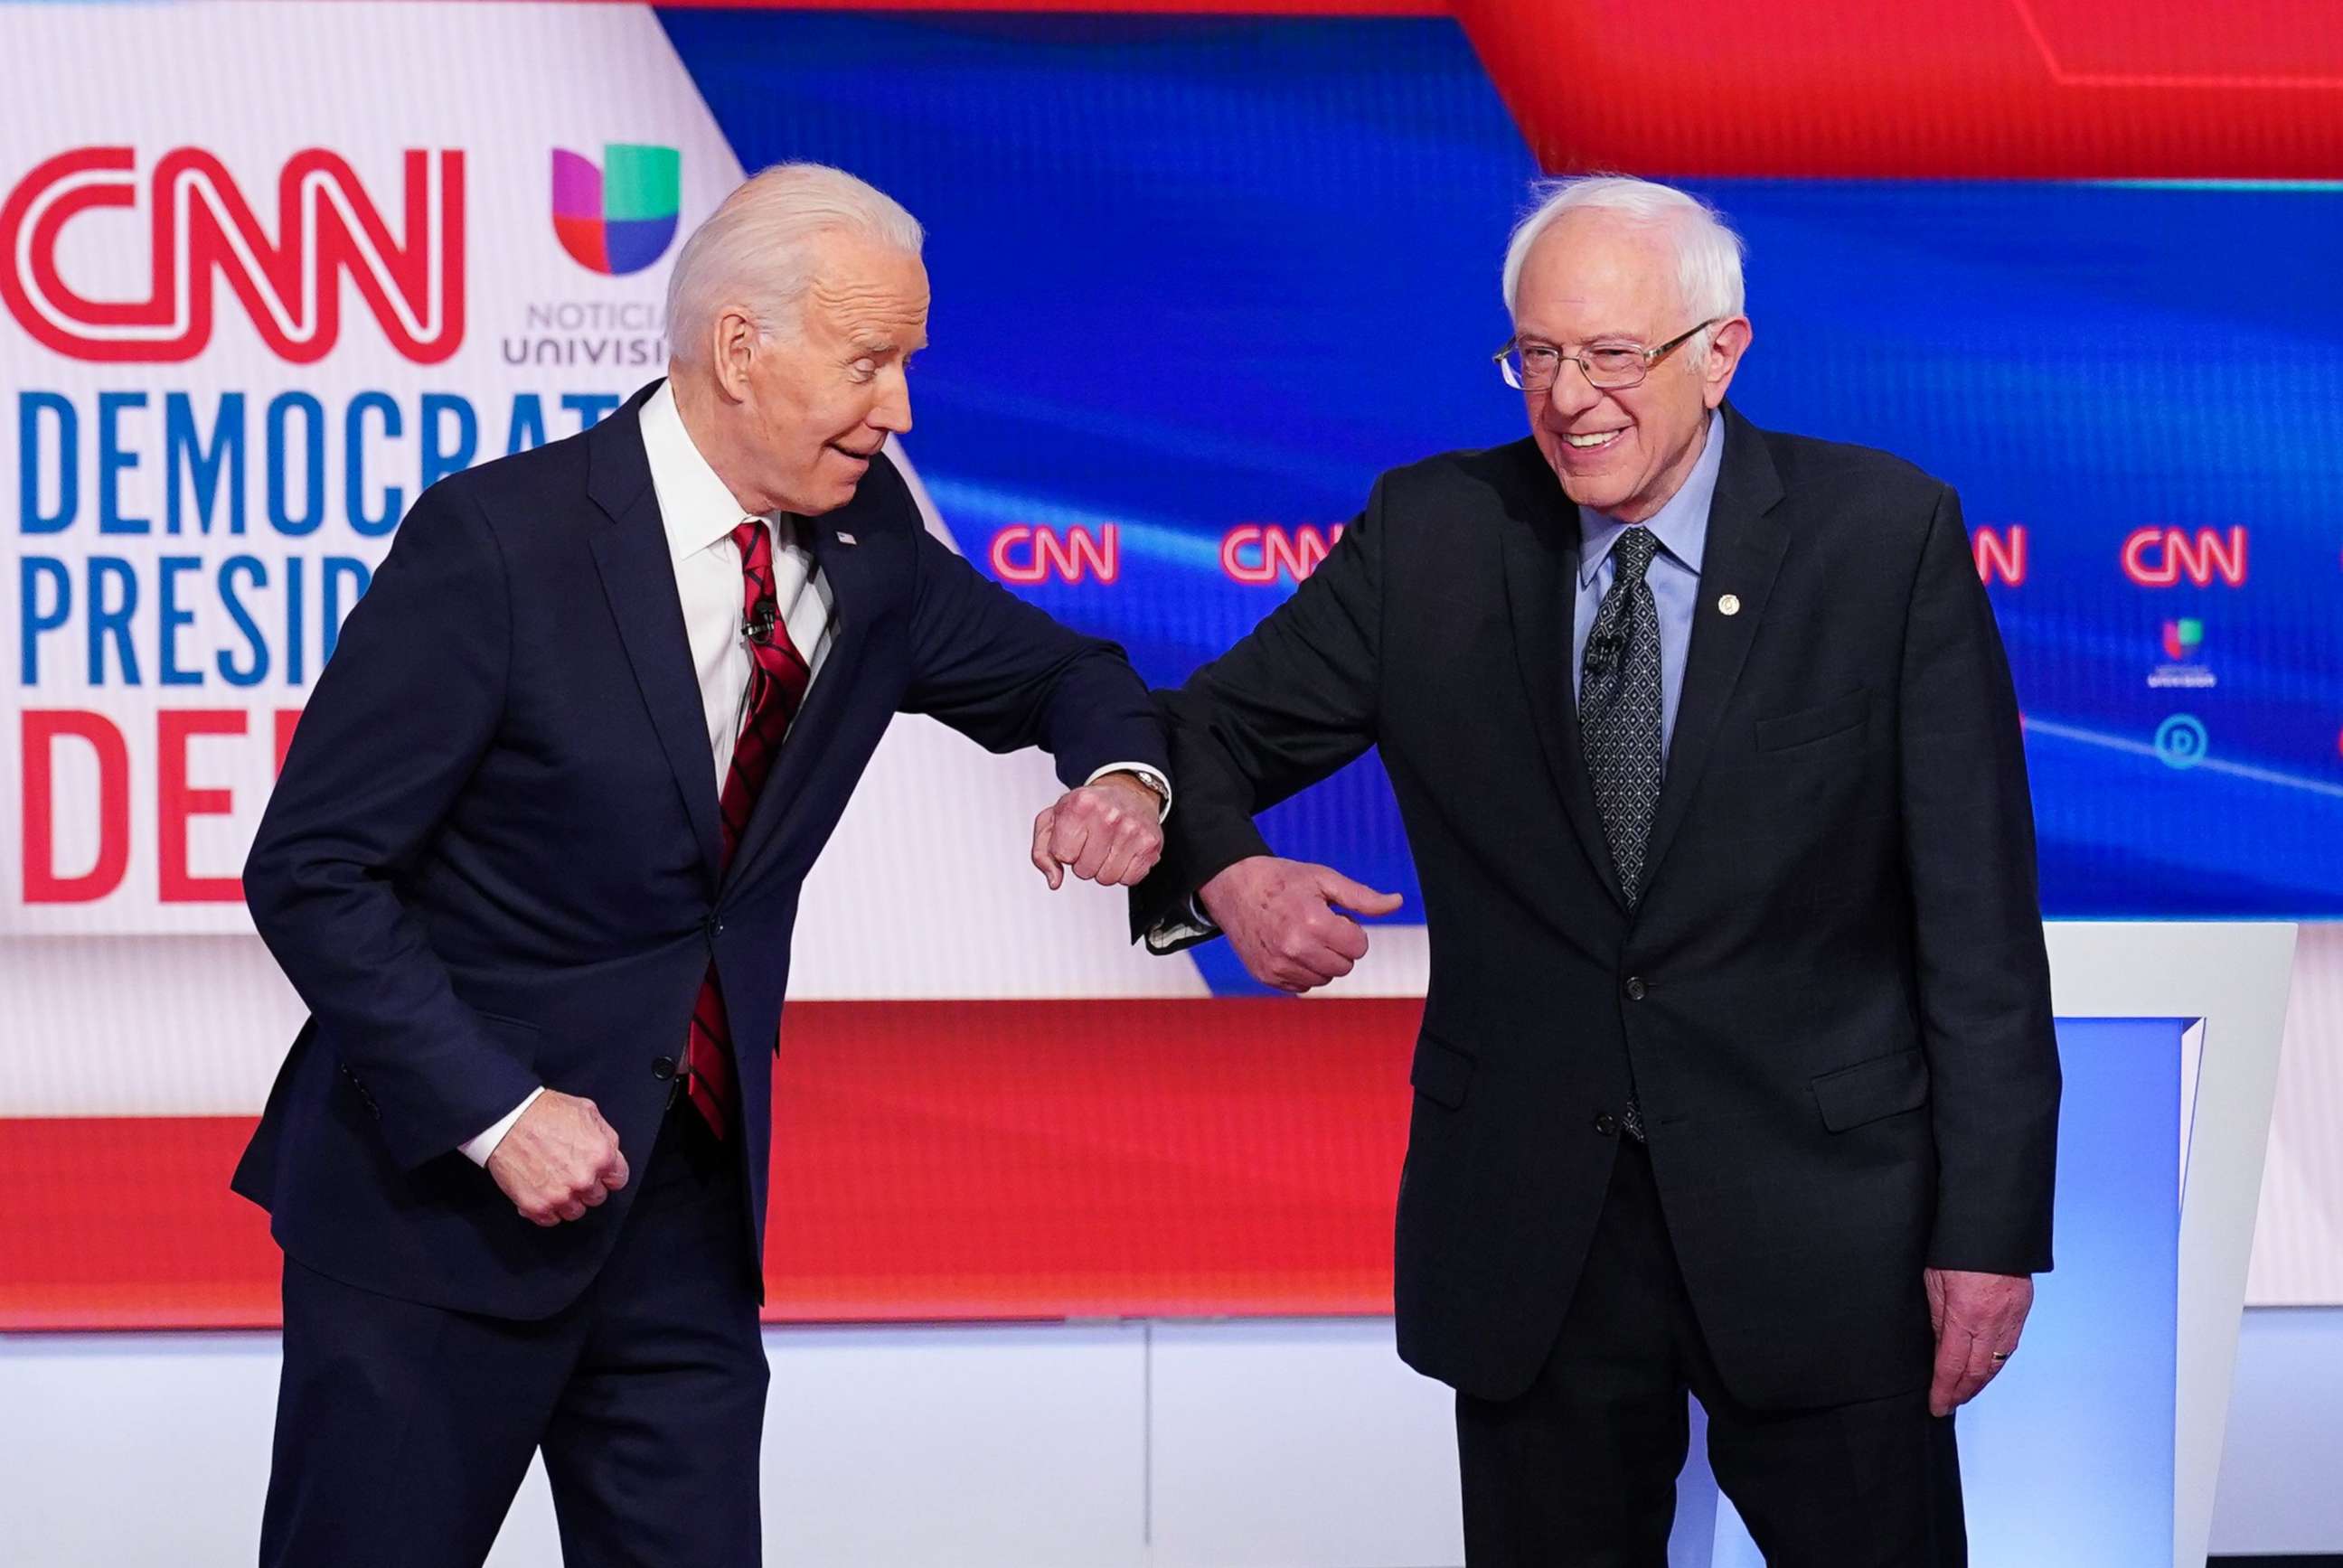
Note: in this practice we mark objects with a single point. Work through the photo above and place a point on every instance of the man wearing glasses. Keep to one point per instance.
(1736, 1073)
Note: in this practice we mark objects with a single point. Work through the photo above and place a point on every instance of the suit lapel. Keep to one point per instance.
(1743, 553)
(638, 580)
(847, 570)
(1541, 558)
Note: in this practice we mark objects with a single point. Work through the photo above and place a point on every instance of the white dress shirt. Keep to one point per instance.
(700, 513)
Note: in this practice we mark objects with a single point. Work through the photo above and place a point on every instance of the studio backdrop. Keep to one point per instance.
(269, 271)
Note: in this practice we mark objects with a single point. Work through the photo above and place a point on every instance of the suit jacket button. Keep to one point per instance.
(1607, 1124)
(1635, 989)
(662, 1067)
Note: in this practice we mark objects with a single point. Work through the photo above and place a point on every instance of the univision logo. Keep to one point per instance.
(620, 217)
(2182, 640)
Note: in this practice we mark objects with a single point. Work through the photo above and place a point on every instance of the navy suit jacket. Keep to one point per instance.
(1832, 998)
(492, 858)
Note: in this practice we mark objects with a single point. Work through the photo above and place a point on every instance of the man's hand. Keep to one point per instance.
(560, 1160)
(1973, 1315)
(1284, 919)
(1109, 832)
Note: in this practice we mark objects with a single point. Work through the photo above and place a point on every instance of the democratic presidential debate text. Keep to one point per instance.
(171, 542)
(231, 535)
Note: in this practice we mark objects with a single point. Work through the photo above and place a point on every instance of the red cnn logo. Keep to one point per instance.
(2000, 553)
(2161, 558)
(1023, 553)
(1261, 552)
(201, 230)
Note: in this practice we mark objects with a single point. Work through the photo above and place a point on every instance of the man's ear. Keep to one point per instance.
(734, 341)
(1725, 347)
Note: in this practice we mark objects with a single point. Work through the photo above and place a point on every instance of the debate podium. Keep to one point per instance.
(2100, 1445)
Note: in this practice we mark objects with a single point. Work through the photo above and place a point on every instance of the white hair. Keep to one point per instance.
(1708, 253)
(754, 250)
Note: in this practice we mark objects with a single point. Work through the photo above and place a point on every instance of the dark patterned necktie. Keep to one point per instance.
(1619, 708)
(1619, 721)
(776, 685)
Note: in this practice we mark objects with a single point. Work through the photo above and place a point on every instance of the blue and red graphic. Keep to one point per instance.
(1239, 265)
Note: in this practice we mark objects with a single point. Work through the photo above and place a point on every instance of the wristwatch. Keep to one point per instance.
(1163, 795)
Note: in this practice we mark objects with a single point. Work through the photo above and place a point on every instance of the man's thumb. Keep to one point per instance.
(1356, 896)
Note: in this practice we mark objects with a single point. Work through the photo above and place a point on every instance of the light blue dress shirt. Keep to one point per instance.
(1682, 528)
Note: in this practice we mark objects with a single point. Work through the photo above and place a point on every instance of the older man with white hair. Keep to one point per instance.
(1736, 1073)
(534, 863)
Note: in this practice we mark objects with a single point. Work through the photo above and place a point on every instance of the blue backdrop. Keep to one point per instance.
(1194, 272)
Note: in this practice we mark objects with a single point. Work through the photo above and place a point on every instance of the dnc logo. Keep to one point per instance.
(619, 218)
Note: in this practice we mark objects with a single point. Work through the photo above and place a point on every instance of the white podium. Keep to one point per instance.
(2063, 1454)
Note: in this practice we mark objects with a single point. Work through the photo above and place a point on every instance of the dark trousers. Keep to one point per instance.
(1580, 1472)
(403, 1431)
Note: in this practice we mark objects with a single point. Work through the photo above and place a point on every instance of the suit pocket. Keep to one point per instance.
(1870, 1091)
(1809, 724)
(1442, 1073)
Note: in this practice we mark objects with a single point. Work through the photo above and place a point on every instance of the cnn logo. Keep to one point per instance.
(1023, 553)
(2000, 555)
(2162, 557)
(1262, 553)
(202, 233)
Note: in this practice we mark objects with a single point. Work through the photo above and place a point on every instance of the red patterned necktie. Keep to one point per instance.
(776, 685)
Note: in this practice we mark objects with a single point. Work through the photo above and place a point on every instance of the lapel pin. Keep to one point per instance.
(1729, 605)
(844, 537)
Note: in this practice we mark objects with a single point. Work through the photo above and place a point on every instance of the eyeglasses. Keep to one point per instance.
(1608, 366)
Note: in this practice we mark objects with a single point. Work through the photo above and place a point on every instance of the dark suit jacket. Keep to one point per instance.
(1833, 998)
(491, 860)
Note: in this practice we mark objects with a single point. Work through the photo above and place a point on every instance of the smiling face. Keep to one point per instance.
(803, 411)
(1597, 278)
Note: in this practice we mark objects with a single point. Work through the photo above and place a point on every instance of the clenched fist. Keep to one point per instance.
(1284, 919)
(560, 1160)
(1109, 832)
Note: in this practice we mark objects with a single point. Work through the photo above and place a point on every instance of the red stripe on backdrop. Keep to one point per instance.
(1992, 89)
(932, 1161)
(1094, 7)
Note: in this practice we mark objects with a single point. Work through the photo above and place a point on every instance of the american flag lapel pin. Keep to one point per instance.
(844, 537)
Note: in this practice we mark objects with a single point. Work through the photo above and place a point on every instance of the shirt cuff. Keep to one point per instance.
(478, 1149)
(1184, 928)
(1162, 786)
